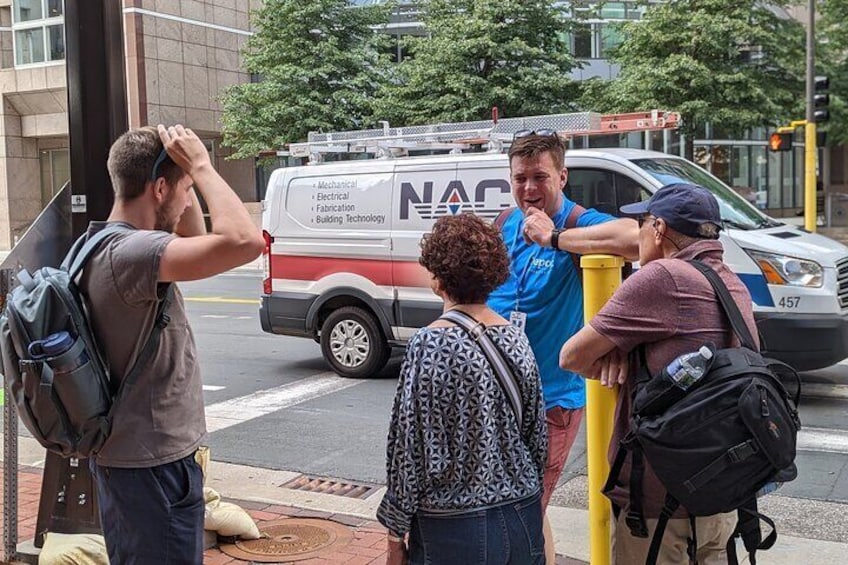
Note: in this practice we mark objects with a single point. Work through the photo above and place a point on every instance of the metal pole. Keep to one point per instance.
(10, 454)
(601, 277)
(810, 128)
(97, 103)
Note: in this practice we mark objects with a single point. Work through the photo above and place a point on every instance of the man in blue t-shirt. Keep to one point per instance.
(543, 293)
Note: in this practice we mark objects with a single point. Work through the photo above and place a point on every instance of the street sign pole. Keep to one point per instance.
(97, 102)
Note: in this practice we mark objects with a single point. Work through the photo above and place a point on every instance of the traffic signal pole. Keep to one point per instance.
(810, 126)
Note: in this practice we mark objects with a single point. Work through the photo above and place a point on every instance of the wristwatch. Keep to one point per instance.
(555, 238)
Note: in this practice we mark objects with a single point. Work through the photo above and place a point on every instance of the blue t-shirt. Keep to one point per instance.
(544, 284)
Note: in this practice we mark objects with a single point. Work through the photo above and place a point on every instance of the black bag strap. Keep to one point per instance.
(150, 347)
(671, 504)
(728, 304)
(502, 371)
(748, 528)
(635, 518)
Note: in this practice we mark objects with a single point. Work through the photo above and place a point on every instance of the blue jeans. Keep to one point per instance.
(152, 515)
(507, 534)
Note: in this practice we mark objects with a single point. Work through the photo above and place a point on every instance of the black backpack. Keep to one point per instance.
(715, 445)
(69, 412)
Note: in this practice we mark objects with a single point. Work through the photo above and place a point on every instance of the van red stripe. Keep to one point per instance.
(380, 272)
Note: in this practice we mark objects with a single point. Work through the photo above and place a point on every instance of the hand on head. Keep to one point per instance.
(184, 147)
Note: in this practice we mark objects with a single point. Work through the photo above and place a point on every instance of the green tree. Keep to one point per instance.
(832, 59)
(318, 64)
(478, 54)
(734, 63)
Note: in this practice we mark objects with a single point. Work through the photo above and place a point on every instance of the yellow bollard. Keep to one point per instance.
(601, 277)
(810, 213)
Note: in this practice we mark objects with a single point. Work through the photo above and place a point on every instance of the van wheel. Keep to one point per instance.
(353, 344)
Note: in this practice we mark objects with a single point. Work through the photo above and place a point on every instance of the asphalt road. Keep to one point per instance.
(283, 409)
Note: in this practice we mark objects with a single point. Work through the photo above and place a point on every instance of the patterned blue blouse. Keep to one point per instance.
(454, 443)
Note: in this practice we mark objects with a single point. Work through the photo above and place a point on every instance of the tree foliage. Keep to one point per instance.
(318, 63)
(478, 54)
(832, 58)
(734, 63)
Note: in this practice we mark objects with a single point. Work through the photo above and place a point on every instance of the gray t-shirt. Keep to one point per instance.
(160, 418)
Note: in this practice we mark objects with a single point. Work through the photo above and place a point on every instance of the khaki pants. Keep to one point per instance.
(712, 532)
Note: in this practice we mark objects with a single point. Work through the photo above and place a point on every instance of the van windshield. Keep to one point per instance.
(736, 212)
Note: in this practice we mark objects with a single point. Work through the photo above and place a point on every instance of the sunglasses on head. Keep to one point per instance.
(540, 132)
(163, 156)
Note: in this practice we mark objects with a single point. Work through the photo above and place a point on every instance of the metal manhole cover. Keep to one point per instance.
(292, 539)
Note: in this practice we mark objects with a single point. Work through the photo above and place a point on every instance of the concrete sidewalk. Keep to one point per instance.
(269, 497)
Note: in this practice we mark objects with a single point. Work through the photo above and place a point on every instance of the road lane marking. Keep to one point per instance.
(823, 390)
(823, 440)
(213, 388)
(260, 403)
(221, 300)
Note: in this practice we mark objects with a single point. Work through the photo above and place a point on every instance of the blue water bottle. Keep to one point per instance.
(60, 351)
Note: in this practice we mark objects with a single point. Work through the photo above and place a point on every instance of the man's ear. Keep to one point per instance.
(159, 189)
(563, 178)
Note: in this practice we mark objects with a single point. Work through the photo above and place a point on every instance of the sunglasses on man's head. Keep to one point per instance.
(159, 160)
(540, 132)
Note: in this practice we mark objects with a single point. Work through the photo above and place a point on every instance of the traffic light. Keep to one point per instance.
(821, 99)
(780, 141)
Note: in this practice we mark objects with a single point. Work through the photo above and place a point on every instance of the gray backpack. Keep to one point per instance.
(57, 376)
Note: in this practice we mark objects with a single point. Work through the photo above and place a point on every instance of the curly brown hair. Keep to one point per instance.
(467, 256)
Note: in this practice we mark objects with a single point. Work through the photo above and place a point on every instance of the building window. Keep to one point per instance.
(55, 172)
(39, 31)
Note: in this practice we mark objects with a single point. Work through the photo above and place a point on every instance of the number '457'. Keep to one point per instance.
(789, 302)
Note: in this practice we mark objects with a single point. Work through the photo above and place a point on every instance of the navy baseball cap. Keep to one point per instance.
(684, 207)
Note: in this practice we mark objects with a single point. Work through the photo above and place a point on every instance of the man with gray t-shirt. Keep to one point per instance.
(149, 485)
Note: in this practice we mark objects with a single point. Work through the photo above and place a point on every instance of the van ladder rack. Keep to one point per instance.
(389, 141)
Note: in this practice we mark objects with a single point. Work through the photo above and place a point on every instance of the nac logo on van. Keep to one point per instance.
(488, 199)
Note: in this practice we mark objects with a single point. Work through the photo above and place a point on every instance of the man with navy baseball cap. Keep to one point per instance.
(670, 308)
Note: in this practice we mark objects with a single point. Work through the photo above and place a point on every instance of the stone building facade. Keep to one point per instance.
(181, 56)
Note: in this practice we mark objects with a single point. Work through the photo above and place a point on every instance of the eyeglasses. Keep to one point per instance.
(163, 156)
(642, 219)
(540, 132)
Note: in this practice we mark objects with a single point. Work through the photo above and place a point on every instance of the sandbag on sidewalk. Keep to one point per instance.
(227, 519)
(73, 549)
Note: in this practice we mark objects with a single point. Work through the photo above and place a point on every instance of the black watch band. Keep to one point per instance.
(555, 238)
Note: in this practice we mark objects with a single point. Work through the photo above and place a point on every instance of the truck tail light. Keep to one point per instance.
(266, 263)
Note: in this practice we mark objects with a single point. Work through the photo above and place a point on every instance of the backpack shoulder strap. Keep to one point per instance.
(502, 371)
(85, 246)
(150, 347)
(574, 216)
(571, 222)
(671, 504)
(502, 217)
(728, 304)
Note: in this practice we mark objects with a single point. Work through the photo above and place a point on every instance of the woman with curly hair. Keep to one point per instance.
(463, 478)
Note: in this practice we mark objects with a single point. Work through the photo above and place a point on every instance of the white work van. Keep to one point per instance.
(342, 248)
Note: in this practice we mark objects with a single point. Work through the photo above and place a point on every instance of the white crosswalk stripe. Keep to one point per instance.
(823, 439)
(260, 403)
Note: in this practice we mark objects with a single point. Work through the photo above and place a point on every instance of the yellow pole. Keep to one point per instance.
(810, 177)
(601, 276)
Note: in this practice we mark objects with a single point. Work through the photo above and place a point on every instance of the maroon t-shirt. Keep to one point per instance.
(671, 308)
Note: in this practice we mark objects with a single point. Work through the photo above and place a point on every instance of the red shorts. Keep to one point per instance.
(562, 430)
